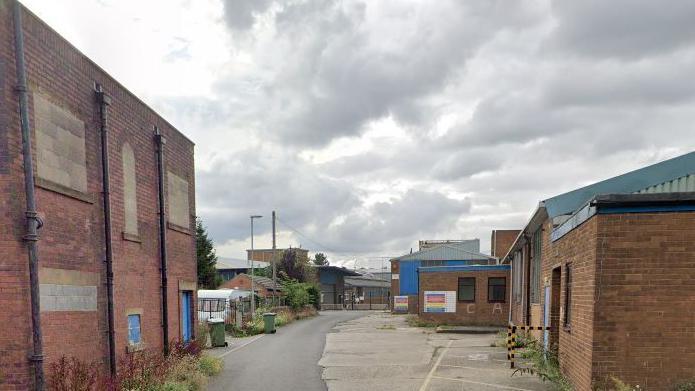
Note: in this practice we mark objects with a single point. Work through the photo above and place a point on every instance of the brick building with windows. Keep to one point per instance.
(474, 295)
(405, 270)
(610, 267)
(95, 293)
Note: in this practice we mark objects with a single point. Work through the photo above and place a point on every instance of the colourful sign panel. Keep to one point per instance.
(440, 301)
(400, 303)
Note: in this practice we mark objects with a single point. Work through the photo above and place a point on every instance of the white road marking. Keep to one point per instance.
(241, 346)
(482, 384)
(434, 367)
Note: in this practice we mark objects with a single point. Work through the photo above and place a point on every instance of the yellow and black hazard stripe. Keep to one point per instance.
(511, 339)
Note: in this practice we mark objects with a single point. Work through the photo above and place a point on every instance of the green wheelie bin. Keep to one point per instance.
(269, 321)
(216, 327)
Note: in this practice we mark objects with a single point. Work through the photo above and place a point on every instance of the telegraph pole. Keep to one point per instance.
(275, 284)
(253, 272)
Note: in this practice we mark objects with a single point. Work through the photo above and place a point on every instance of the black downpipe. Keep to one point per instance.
(33, 221)
(160, 141)
(104, 103)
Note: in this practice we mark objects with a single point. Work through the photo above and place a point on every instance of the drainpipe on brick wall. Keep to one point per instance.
(104, 102)
(160, 141)
(33, 221)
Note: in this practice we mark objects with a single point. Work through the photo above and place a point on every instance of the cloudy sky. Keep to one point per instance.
(369, 125)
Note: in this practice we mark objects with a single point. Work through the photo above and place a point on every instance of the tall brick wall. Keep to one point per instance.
(501, 241)
(645, 314)
(481, 312)
(72, 236)
(578, 247)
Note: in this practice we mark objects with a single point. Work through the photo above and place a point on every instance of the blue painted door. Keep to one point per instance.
(187, 315)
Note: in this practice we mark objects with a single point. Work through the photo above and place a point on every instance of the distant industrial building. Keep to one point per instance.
(266, 254)
(406, 276)
(228, 268)
(472, 245)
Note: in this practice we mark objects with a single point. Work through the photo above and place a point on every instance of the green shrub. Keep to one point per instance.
(296, 294)
(210, 366)
(314, 295)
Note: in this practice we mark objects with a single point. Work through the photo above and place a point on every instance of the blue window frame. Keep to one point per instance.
(134, 329)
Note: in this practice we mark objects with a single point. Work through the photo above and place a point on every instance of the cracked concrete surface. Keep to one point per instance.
(382, 352)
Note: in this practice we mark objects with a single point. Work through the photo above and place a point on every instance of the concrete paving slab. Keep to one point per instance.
(382, 352)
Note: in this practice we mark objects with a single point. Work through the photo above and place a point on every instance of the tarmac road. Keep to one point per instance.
(286, 360)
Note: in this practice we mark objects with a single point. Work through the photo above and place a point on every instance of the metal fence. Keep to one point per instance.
(355, 299)
(234, 312)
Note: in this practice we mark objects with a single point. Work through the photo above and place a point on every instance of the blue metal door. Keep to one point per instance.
(187, 315)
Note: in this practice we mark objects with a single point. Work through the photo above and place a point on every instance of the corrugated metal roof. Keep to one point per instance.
(234, 263)
(367, 282)
(444, 253)
(633, 181)
(682, 184)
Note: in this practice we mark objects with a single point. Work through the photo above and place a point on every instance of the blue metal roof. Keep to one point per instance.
(630, 182)
(463, 268)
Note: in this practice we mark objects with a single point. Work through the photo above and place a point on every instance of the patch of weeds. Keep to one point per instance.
(544, 364)
(386, 327)
(210, 366)
(686, 386)
(415, 321)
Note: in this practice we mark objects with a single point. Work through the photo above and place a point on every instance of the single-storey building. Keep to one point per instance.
(610, 267)
(466, 295)
(404, 270)
(263, 286)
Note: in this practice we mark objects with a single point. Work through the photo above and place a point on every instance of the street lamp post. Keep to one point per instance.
(253, 293)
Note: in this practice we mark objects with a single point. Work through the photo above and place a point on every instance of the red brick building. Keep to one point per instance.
(613, 275)
(71, 103)
(501, 240)
(473, 295)
(405, 269)
(263, 286)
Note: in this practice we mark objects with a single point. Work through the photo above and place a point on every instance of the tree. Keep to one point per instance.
(207, 259)
(320, 259)
(293, 267)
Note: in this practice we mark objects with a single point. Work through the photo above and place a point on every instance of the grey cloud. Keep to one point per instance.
(396, 224)
(629, 29)
(259, 180)
(343, 72)
(240, 14)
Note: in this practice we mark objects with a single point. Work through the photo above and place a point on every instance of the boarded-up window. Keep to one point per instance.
(179, 213)
(60, 146)
(130, 204)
